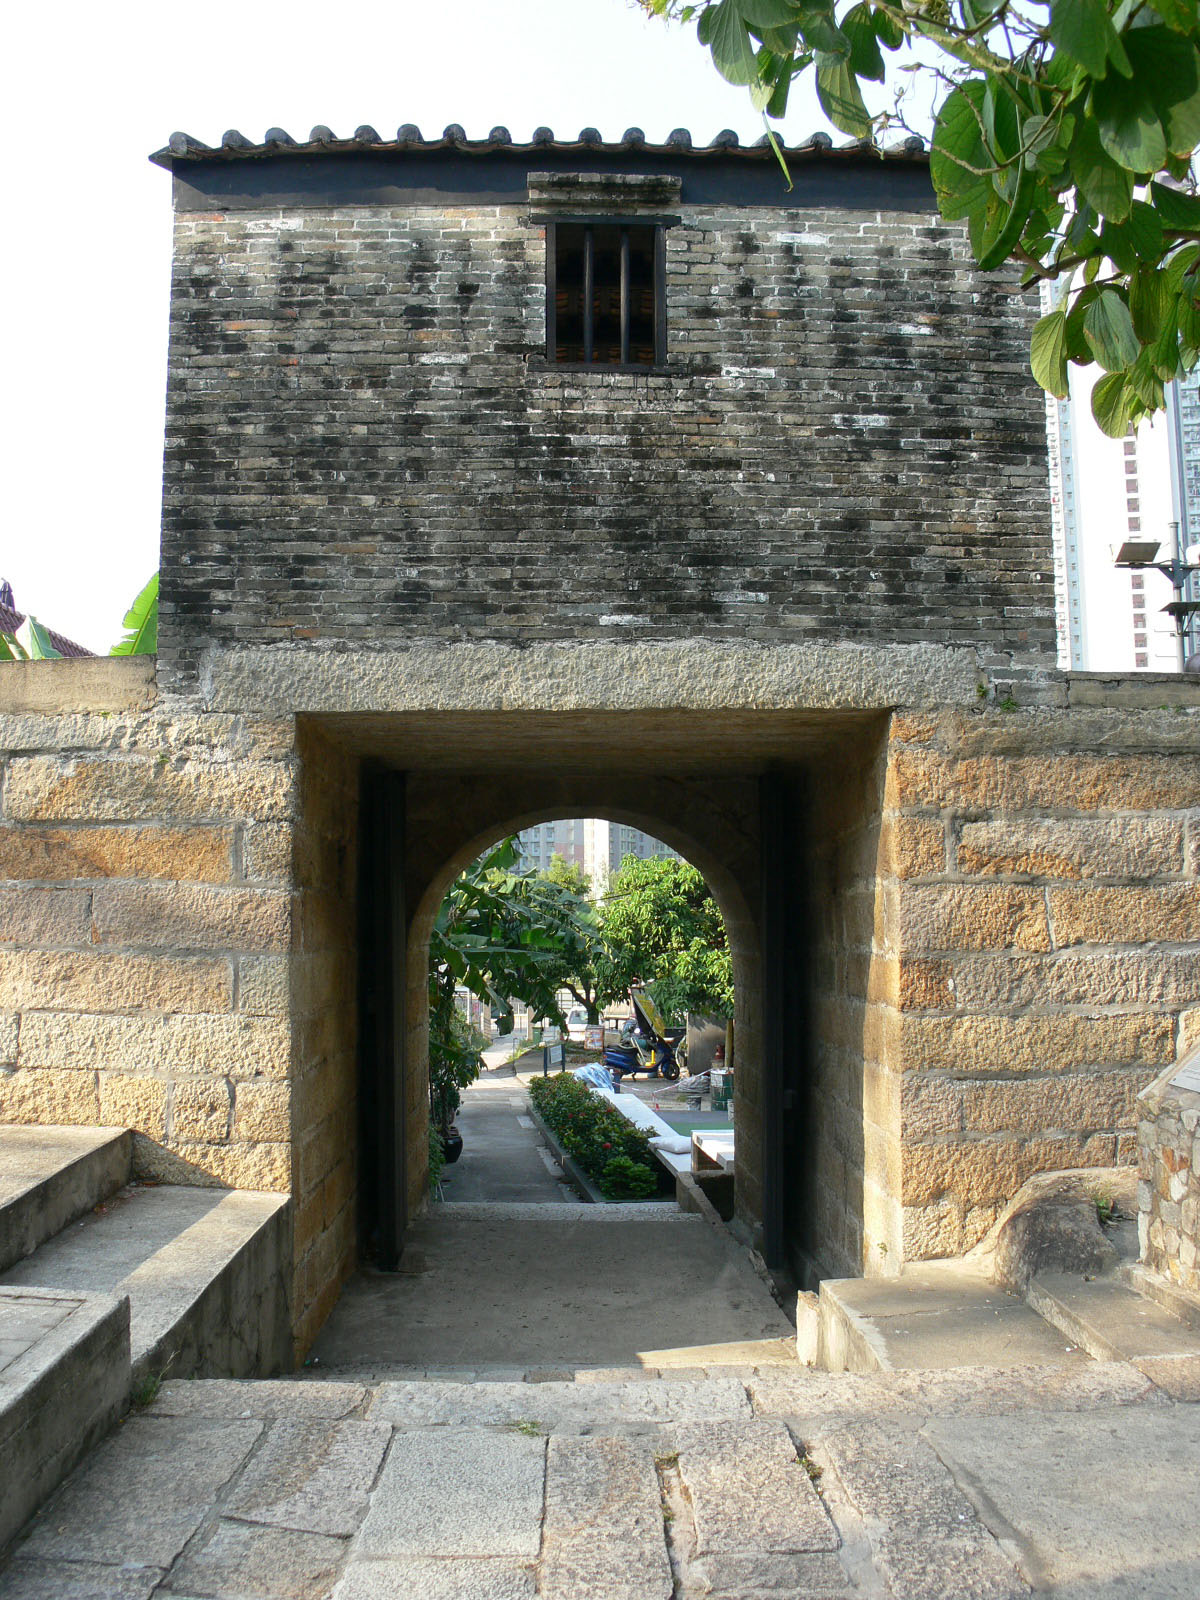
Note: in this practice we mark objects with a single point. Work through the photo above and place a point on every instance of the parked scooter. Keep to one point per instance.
(647, 1044)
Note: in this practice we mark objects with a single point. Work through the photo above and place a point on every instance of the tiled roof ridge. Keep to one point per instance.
(322, 141)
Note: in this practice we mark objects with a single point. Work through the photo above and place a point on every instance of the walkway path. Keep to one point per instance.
(1081, 1482)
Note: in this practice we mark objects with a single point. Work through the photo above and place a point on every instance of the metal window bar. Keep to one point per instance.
(589, 291)
(658, 288)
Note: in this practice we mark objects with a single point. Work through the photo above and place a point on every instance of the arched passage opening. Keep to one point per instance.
(740, 931)
(781, 813)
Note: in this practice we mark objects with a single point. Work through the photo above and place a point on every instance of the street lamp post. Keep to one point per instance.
(1140, 553)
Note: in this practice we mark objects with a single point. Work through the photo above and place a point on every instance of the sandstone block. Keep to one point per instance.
(79, 981)
(263, 1112)
(184, 916)
(240, 1165)
(70, 1097)
(1150, 977)
(78, 683)
(197, 855)
(139, 1103)
(263, 985)
(8, 1039)
(231, 1046)
(971, 917)
(267, 851)
(912, 847)
(1129, 915)
(1065, 782)
(932, 1231)
(1073, 848)
(201, 1111)
(35, 916)
(981, 1171)
(1067, 1101)
(1033, 1043)
(135, 788)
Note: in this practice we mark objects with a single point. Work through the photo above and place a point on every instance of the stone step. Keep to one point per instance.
(1109, 1319)
(933, 1316)
(51, 1176)
(203, 1270)
(64, 1378)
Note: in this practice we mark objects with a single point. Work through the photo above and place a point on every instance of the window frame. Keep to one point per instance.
(623, 223)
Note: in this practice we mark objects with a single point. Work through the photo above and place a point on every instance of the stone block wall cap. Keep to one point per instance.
(1164, 1090)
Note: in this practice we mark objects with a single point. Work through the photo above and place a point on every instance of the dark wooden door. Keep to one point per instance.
(383, 1175)
(786, 1030)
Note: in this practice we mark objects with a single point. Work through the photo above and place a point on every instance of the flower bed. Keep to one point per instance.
(614, 1154)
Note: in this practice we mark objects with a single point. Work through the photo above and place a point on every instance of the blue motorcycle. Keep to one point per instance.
(647, 1044)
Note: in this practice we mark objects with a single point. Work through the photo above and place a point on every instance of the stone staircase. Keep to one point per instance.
(107, 1285)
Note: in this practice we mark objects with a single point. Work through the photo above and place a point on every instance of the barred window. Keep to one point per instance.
(605, 295)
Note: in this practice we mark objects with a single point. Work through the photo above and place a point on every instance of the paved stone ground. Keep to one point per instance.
(1075, 1482)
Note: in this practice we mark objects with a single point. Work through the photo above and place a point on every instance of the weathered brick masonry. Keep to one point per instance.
(365, 442)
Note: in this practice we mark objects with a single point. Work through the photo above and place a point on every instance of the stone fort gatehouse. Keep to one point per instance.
(755, 556)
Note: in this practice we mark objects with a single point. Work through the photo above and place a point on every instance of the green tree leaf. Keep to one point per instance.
(866, 60)
(1084, 31)
(1167, 66)
(1177, 210)
(732, 53)
(768, 13)
(1106, 186)
(1108, 329)
(1110, 405)
(1128, 123)
(840, 97)
(1177, 14)
(1048, 352)
(959, 163)
(141, 620)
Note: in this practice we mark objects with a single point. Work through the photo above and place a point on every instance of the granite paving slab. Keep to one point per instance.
(749, 1492)
(1103, 1505)
(923, 1530)
(457, 1492)
(143, 1493)
(264, 1398)
(811, 1396)
(603, 1534)
(238, 1561)
(417, 1578)
(313, 1476)
(76, 1580)
(558, 1407)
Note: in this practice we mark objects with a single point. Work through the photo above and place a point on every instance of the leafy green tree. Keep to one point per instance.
(664, 929)
(500, 934)
(1063, 137)
(586, 967)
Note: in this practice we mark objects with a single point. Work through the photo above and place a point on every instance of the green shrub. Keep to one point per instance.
(614, 1154)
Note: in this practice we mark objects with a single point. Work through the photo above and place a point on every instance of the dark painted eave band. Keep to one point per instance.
(445, 172)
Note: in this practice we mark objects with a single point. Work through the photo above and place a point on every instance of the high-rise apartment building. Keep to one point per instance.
(596, 845)
(1105, 492)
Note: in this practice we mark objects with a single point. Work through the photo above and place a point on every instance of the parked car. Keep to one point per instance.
(577, 1023)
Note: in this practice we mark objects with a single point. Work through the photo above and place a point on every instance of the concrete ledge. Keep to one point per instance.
(50, 1176)
(78, 683)
(64, 1381)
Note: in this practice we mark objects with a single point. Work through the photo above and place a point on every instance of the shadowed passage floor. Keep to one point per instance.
(511, 1270)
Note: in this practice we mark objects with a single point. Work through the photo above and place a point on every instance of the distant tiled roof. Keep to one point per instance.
(234, 146)
(11, 619)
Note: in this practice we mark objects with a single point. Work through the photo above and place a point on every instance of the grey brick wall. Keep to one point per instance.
(366, 445)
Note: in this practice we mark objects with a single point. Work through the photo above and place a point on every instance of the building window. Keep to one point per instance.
(605, 294)
(1141, 661)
